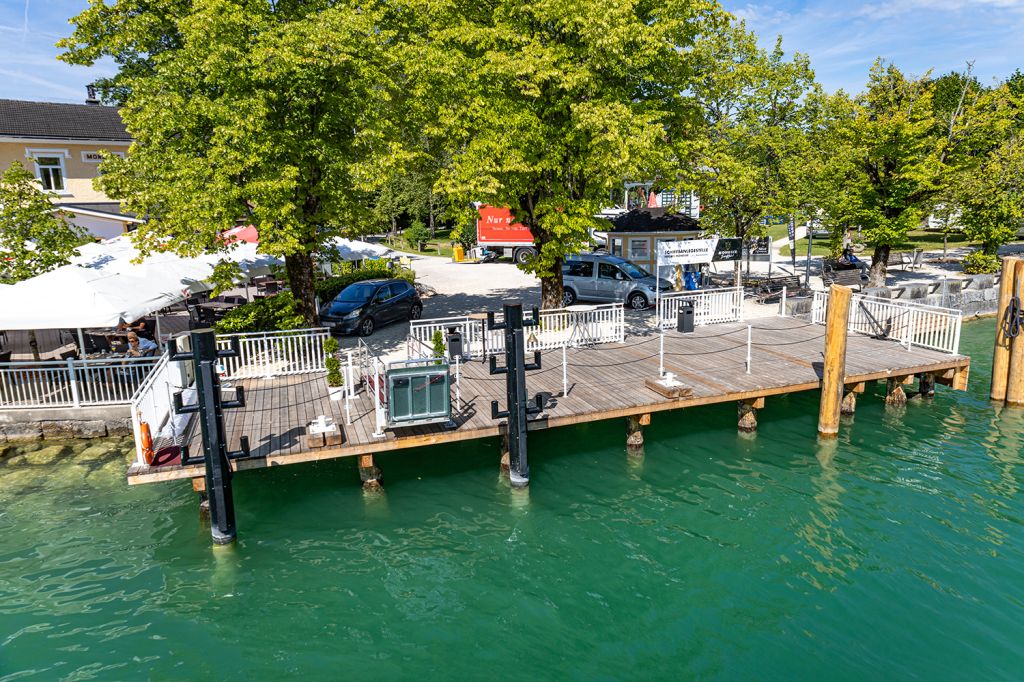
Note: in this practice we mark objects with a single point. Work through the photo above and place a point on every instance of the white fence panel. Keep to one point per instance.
(72, 383)
(912, 324)
(582, 325)
(152, 404)
(269, 354)
(711, 306)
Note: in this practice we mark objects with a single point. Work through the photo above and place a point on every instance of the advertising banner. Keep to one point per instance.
(728, 249)
(495, 226)
(687, 252)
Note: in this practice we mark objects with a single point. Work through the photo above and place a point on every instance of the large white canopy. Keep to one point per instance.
(102, 286)
(353, 249)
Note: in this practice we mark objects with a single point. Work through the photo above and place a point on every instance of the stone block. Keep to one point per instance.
(980, 282)
(915, 291)
(991, 294)
(74, 428)
(877, 292)
(798, 305)
(25, 431)
(119, 427)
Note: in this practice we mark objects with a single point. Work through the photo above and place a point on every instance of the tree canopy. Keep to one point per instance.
(34, 236)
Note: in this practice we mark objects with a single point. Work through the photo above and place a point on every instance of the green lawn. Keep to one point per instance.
(440, 245)
(927, 240)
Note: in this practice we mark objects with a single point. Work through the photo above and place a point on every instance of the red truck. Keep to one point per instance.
(496, 231)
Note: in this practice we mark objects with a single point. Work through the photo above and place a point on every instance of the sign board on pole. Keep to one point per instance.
(728, 249)
(687, 252)
(792, 240)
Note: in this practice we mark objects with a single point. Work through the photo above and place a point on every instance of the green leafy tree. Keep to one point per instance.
(34, 236)
(242, 109)
(546, 107)
(752, 127)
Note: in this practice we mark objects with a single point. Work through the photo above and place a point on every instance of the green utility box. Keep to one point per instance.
(419, 395)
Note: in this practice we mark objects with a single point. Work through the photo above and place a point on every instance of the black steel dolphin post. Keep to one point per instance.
(216, 457)
(515, 387)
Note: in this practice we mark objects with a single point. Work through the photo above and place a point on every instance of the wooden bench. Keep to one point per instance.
(771, 289)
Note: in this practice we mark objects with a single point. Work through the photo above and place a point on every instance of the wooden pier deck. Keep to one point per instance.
(605, 382)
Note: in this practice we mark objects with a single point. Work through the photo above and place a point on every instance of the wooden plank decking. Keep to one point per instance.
(605, 382)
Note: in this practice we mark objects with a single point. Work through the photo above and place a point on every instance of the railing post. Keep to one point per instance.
(782, 303)
(73, 379)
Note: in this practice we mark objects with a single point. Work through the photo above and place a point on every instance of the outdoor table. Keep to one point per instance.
(580, 334)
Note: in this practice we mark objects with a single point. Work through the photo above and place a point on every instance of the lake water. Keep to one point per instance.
(896, 554)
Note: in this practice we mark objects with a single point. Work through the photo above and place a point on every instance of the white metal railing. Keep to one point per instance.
(912, 324)
(582, 325)
(152, 404)
(72, 383)
(711, 306)
(269, 354)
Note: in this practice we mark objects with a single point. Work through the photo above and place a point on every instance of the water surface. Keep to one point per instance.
(893, 553)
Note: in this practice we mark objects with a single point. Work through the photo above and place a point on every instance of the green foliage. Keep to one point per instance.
(437, 341)
(416, 235)
(271, 111)
(331, 362)
(545, 107)
(751, 143)
(263, 315)
(465, 234)
(328, 288)
(979, 263)
(34, 238)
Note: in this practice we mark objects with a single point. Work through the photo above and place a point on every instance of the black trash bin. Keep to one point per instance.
(685, 321)
(454, 343)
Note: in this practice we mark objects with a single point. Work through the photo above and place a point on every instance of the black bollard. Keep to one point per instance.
(204, 355)
(515, 387)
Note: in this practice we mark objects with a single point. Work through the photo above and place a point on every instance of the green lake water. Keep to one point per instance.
(894, 554)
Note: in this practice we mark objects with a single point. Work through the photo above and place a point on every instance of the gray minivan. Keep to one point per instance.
(599, 277)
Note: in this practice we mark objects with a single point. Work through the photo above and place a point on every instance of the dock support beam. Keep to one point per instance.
(849, 404)
(746, 410)
(834, 371)
(369, 473)
(199, 486)
(635, 424)
(1001, 351)
(895, 396)
(926, 385)
(1015, 375)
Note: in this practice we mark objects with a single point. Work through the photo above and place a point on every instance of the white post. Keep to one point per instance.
(159, 342)
(81, 344)
(749, 328)
(350, 392)
(565, 373)
(661, 355)
(782, 303)
(910, 326)
(458, 385)
(377, 402)
(73, 377)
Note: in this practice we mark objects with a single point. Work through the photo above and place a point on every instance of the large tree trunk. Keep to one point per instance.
(876, 275)
(552, 295)
(300, 278)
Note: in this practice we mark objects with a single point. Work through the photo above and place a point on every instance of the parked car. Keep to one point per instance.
(363, 306)
(604, 278)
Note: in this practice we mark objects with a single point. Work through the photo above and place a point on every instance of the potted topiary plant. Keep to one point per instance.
(437, 340)
(335, 380)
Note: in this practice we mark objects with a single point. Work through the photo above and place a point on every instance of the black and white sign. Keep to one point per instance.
(728, 249)
(96, 157)
(687, 252)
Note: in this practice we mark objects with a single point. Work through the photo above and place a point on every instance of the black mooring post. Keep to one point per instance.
(515, 387)
(204, 355)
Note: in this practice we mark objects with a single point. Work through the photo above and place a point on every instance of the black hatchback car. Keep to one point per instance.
(363, 306)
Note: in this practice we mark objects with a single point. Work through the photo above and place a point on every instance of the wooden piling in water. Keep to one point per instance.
(746, 411)
(1001, 351)
(834, 372)
(1015, 372)
(635, 433)
(369, 473)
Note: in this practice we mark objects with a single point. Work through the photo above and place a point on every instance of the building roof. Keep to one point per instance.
(111, 208)
(653, 220)
(55, 121)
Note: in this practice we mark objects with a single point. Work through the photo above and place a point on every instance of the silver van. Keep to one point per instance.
(604, 278)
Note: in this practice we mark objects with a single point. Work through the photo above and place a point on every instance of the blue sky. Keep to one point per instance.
(842, 39)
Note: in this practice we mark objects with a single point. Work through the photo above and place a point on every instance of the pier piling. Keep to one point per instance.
(895, 396)
(1015, 372)
(926, 385)
(369, 473)
(747, 414)
(834, 371)
(1001, 351)
(635, 433)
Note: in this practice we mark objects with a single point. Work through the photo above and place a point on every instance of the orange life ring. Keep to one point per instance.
(147, 443)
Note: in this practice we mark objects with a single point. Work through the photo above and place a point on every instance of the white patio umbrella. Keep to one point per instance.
(353, 249)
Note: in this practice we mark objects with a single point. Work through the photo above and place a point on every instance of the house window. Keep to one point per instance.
(616, 246)
(640, 249)
(49, 169)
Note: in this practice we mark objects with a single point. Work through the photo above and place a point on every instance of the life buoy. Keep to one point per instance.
(147, 443)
